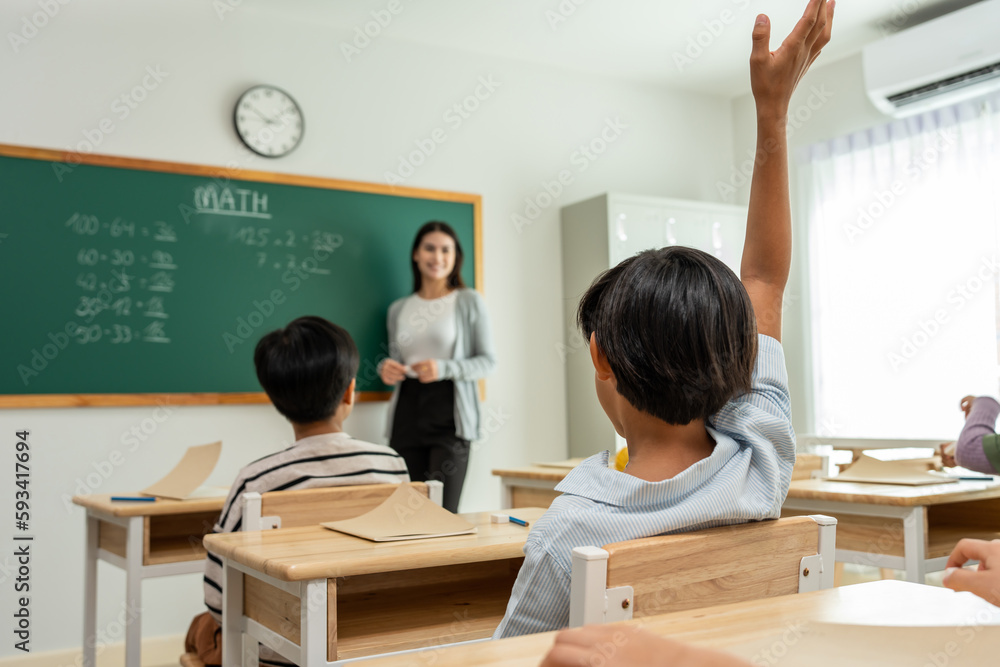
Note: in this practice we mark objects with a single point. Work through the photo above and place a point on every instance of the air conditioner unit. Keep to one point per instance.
(943, 61)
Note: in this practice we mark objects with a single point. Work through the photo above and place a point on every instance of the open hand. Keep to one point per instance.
(775, 74)
(984, 582)
(392, 372)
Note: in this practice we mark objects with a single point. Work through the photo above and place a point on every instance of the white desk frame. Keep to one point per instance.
(135, 572)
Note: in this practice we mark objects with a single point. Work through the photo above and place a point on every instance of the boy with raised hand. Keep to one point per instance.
(689, 369)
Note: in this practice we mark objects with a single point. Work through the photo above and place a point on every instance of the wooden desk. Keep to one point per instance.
(316, 595)
(534, 486)
(910, 528)
(530, 486)
(156, 539)
(736, 627)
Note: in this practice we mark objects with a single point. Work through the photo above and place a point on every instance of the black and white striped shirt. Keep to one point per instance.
(331, 459)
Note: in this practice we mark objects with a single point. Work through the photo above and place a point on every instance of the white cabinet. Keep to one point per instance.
(597, 234)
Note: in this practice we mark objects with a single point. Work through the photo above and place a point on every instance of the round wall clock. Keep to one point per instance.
(268, 121)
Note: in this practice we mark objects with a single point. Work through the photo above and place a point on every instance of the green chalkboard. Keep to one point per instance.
(126, 280)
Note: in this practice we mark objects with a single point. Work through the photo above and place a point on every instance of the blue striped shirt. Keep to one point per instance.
(744, 479)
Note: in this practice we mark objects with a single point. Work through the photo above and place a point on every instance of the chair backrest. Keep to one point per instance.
(656, 575)
(308, 507)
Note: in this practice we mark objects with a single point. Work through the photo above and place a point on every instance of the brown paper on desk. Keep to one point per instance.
(405, 515)
(909, 472)
(189, 473)
(817, 644)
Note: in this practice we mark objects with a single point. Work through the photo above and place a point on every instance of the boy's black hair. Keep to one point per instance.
(306, 367)
(678, 330)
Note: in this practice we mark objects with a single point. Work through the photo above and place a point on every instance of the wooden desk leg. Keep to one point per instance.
(915, 544)
(312, 624)
(232, 615)
(90, 592)
(133, 591)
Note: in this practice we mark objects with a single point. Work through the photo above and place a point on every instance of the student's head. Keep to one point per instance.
(308, 369)
(672, 331)
(436, 254)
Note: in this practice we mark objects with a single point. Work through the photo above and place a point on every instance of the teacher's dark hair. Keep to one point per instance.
(455, 277)
(678, 330)
(306, 367)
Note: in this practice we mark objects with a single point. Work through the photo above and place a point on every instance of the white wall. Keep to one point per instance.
(360, 117)
(829, 102)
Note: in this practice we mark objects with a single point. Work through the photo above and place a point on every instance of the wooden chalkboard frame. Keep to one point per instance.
(234, 398)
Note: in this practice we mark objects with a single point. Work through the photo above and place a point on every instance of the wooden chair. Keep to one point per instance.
(308, 507)
(655, 575)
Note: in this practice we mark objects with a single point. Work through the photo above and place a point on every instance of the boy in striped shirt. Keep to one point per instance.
(307, 370)
(689, 369)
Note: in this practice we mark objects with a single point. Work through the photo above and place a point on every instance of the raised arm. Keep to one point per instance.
(767, 253)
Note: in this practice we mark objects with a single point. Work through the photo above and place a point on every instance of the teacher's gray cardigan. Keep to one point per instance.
(474, 358)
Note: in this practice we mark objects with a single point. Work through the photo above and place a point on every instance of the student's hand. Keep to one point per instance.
(392, 372)
(628, 646)
(984, 582)
(774, 74)
(966, 405)
(426, 370)
(947, 452)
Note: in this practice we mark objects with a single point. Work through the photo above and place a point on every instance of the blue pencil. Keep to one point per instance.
(520, 522)
(131, 499)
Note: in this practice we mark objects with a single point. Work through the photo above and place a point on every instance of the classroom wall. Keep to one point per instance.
(361, 116)
(829, 102)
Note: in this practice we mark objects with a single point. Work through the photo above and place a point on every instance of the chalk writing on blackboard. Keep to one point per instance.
(240, 202)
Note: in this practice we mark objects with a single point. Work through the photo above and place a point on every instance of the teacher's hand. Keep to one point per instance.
(426, 370)
(392, 372)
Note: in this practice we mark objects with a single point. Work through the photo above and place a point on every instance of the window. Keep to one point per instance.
(903, 272)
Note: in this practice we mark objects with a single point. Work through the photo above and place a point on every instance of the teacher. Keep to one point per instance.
(439, 345)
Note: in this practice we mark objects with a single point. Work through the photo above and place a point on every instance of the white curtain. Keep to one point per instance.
(902, 268)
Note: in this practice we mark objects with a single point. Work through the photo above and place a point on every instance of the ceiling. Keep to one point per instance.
(652, 41)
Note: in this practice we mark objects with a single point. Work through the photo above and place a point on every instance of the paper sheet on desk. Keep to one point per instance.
(909, 472)
(405, 515)
(817, 644)
(189, 474)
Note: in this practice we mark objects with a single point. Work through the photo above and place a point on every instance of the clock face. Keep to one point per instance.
(268, 121)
